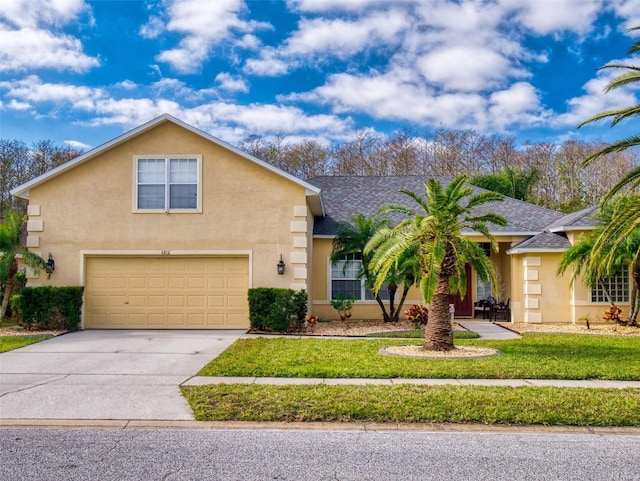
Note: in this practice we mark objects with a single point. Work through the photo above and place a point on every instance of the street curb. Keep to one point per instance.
(312, 426)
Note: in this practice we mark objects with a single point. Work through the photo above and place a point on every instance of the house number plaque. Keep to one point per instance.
(165, 253)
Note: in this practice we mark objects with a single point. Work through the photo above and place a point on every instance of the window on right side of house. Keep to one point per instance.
(617, 287)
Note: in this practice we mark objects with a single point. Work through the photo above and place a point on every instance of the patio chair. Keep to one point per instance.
(483, 306)
(500, 309)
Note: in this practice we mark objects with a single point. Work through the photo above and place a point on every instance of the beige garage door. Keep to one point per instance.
(169, 292)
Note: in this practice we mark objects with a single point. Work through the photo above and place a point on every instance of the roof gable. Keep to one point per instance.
(581, 220)
(313, 192)
(345, 197)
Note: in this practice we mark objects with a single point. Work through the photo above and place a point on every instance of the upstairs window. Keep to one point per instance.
(170, 183)
(617, 287)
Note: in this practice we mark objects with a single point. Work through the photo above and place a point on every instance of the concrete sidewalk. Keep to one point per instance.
(282, 381)
(488, 330)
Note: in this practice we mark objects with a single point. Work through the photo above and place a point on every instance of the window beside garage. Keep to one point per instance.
(168, 183)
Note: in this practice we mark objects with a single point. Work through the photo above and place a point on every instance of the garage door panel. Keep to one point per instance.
(236, 302)
(196, 320)
(157, 282)
(137, 282)
(157, 301)
(215, 301)
(166, 292)
(196, 282)
(137, 301)
(215, 282)
(176, 301)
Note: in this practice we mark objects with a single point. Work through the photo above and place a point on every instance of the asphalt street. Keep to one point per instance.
(188, 454)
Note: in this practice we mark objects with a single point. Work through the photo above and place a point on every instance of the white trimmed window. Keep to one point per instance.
(617, 286)
(345, 282)
(168, 183)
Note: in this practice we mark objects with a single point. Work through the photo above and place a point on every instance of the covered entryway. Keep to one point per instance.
(166, 292)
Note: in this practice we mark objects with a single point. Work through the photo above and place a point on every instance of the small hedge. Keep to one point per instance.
(273, 309)
(49, 307)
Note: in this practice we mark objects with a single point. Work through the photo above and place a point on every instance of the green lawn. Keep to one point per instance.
(9, 343)
(535, 356)
(413, 404)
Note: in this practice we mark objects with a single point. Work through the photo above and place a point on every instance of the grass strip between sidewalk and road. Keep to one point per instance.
(535, 356)
(9, 343)
(415, 404)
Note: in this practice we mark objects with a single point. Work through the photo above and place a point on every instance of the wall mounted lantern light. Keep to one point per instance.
(281, 266)
(51, 264)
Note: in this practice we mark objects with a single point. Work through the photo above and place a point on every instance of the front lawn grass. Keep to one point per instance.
(416, 404)
(535, 356)
(9, 343)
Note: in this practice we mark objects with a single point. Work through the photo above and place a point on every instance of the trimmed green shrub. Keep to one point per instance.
(49, 307)
(274, 309)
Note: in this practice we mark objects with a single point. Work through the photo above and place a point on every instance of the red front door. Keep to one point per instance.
(464, 307)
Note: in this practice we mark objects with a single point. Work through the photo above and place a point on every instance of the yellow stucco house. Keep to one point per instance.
(167, 227)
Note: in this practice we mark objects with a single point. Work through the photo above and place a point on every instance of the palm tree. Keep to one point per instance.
(443, 251)
(629, 220)
(351, 240)
(10, 248)
(602, 253)
(509, 182)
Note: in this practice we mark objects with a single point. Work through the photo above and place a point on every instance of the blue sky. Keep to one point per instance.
(82, 72)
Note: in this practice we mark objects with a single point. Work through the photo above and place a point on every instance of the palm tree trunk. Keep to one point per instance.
(395, 316)
(438, 335)
(393, 288)
(8, 287)
(385, 316)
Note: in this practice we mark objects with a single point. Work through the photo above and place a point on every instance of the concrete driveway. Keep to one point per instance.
(107, 374)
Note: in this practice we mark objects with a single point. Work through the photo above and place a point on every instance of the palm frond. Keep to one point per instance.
(619, 146)
(625, 79)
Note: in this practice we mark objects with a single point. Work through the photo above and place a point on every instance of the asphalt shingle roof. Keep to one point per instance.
(345, 197)
(584, 218)
(544, 241)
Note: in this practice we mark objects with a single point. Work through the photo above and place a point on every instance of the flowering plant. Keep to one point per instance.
(614, 313)
(311, 320)
(418, 314)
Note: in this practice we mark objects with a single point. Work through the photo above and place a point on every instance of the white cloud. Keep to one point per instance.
(16, 105)
(203, 24)
(322, 38)
(32, 89)
(629, 10)
(38, 13)
(30, 37)
(544, 17)
(330, 5)
(267, 65)
(230, 83)
(344, 38)
(465, 68)
(97, 107)
(126, 85)
(519, 104)
(595, 100)
(75, 144)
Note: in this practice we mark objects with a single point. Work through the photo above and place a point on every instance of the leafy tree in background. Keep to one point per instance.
(435, 230)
